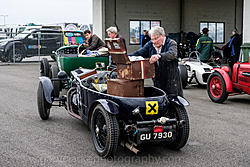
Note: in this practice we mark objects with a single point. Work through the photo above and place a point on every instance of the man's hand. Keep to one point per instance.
(154, 58)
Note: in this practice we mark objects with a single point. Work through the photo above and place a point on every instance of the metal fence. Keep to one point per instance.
(29, 47)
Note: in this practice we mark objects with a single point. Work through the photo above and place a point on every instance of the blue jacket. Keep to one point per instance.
(234, 44)
(167, 75)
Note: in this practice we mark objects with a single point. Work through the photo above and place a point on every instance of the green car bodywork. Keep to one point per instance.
(67, 59)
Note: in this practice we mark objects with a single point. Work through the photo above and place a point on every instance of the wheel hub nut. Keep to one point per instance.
(97, 130)
(213, 87)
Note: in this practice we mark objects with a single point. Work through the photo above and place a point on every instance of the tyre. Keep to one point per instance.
(43, 105)
(4, 59)
(184, 75)
(56, 84)
(182, 132)
(73, 100)
(19, 55)
(216, 88)
(105, 132)
(44, 67)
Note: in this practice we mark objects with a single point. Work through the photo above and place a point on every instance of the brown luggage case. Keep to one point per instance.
(136, 70)
(125, 88)
(117, 51)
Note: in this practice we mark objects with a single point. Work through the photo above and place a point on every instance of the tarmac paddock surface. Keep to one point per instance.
(219, 133)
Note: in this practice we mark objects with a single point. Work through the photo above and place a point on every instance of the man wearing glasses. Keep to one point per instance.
(162, 51)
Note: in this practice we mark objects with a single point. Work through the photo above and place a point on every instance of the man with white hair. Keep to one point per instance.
(112, 33)
(162, 51)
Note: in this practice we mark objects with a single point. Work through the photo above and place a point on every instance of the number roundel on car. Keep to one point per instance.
(151, 107)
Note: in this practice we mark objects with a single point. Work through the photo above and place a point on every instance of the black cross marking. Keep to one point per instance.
(152, 108)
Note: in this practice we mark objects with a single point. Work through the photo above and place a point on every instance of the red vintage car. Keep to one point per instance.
(225, 81)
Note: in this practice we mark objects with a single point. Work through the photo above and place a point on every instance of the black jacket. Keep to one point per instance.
(95, 43)
(167, 76)
(145, 39)
(234, 44)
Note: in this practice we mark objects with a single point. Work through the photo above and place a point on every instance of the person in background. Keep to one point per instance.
(112, 33)
(204, 46)
(94, 42)
(145, 38)
(231, 51)
(234, 45)
(162, 51)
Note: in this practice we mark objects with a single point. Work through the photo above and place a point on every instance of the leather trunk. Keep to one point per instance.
(117, 51)
(125, 88)
(136, 70)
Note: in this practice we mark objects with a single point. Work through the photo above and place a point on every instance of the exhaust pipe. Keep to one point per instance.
(130, 147)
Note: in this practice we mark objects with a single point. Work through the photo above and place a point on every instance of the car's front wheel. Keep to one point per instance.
(182, 130)
(18, 57)
(43, 105)
(216, 88)
(105, 132)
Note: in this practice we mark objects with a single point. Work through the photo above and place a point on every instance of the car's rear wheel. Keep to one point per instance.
(105, 132)
(18, 57)
(56, 84)
(182, 131)
(216, 88)
(43, 105)
(44, 67)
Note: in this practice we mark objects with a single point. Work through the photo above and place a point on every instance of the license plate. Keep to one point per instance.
(156, 136)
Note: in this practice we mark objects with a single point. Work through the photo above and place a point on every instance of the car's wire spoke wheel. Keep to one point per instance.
(182, 132)
(105, 132)
(43, 105)
(217, 88)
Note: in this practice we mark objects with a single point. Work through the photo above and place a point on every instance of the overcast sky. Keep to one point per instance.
(46, 11)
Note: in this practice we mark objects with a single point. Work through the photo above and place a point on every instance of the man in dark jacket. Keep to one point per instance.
(145, 38)
(162, 51)
(234, 45)
(94, 42)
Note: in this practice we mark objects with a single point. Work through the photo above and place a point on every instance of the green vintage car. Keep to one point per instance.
(68, 59)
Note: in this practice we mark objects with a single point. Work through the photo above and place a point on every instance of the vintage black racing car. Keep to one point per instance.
(114, 120)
